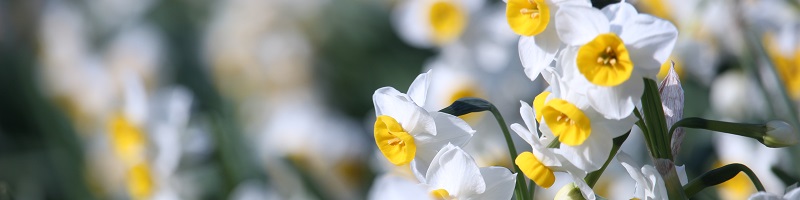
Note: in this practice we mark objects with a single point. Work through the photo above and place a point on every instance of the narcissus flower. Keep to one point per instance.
(453, 174)
(541, 163)
(610, 51)
(405, 131)
(585, 134)
(429, 23)
(533, 20)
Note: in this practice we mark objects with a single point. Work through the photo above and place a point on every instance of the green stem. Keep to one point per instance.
(592, 178)
(720, 175)
(755, 131)
(521, 186)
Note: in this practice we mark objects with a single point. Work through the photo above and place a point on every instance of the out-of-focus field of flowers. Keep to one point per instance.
(272, 99)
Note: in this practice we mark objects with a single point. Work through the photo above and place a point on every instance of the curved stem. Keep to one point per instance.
(720, 175)
(512, 150)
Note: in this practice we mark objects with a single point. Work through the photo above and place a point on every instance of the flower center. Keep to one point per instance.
(605, 60)
(140, 182)
(441, 194)
(127, 139)
(527, 17)
(535, 169)
(567, 122)
(447, 21)
(396, 144)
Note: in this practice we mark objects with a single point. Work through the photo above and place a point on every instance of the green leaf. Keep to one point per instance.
(467, 105)
(655, 121)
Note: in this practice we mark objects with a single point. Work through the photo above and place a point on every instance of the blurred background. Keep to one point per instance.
(271, 99)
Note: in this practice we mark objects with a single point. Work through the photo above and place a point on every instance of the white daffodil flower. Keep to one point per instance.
(649, 184)
(541, 163)
(453, 174)
(586, 136)
(609, 52)
(793, 194)
(405, 131)
(432, 23)
(539, 42)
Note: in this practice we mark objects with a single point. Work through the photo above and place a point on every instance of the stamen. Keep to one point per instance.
(395, 141)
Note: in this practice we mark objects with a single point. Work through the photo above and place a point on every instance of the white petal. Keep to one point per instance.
(529, 118)
(586, 191)
(656, 189)
(409, 22)
(499, 181)
(792, 194)
(450, 130)
(619, 101)
(633, 170)
(577, 25)
(681, 170)
(650, 41)
(525, 134)
(537, 52)
(454, 170)
(764, 196)
(135, 99)
(418, 90)
(390, 187)
(589, 156)
(609, 127)
(618, 14)
(414, 119)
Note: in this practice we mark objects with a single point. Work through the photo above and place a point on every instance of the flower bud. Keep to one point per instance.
(569, 192)
(779, 134)
(671, 93)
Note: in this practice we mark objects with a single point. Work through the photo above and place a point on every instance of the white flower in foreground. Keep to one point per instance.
(586, 136)
(793, 194)
(610, 51)
(405, 131)
(541, 163)
(429, 23)
(649, 184)
(453, 174)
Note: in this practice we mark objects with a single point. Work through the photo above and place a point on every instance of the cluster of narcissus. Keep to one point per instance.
(601, 67)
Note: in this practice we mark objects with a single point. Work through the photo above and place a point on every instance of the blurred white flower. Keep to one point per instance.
(432, 23)
(392, 187)
(793, 194)
(733, 95)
